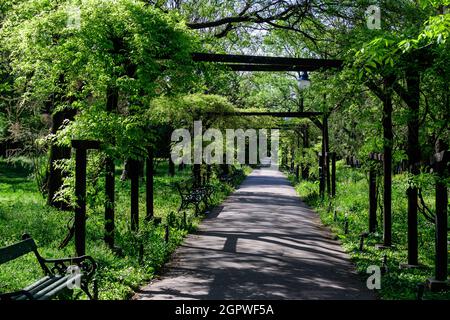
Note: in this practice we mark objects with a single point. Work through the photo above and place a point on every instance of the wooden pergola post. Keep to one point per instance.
(385, 95)
(387, 163)
(109, 202)
(328, 174)
(324, 159)
(413, 151)
(333, 174)
(440, 280)
(297, 166)
(208, 173)
(81, 147)
(149, 184)
(112, 102)
(321, 175)
(305, 171)
(373, 193)
(134, 177)
(171, 167)
(327, 154)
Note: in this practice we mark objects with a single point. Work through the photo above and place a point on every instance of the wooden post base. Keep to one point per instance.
(436, 285)
(381, 246)
(410, 266)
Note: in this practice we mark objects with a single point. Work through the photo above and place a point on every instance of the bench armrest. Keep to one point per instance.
(180, 189)
(86, 263)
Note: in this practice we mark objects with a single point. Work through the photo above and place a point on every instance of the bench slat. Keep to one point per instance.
(17, 250)
(58, 289)
(36, 284)
(60, 284)
(50, 285)
(39, 285)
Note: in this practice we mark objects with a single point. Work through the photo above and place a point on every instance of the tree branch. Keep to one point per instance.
(402, 93)
(376, 90)
(253, 17)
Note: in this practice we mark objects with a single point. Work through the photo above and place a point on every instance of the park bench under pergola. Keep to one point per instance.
(248, 63)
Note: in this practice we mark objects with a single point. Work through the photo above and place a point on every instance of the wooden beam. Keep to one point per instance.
(271, 114)
(285, 61)
(270, 67)
(85, 144)
(289, 128)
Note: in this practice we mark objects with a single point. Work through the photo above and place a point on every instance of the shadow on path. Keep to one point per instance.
(262, 243)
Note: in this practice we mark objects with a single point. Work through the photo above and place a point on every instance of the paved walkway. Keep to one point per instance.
(262, 243)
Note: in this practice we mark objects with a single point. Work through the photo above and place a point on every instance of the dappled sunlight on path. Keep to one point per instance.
(262, 243)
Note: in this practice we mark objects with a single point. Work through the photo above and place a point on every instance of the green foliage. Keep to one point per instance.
(184, 110)
(127, 47)
(120, 45)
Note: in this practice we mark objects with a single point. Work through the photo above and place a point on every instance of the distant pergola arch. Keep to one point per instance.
(251, 63)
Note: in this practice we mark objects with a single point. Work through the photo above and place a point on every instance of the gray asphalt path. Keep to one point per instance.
(262, 243)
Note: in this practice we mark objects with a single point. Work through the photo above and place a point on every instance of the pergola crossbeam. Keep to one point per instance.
(272, 114)
(270, 67)
(264, 63)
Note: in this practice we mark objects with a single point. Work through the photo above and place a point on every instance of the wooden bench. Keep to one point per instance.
(194, 196)
(226, 178)
(231, 179)
(57, 273)
(206, 191)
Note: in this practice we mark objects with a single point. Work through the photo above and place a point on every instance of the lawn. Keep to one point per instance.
(352, 200)
(23, 210)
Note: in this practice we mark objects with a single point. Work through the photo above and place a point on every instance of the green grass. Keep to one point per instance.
(23, 210)
(352, 199)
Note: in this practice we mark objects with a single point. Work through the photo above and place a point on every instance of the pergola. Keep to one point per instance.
(234, 63)
(284, 64)
(320, 119)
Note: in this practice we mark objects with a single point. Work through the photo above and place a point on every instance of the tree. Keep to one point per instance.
(112, 58)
